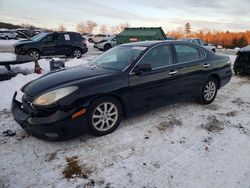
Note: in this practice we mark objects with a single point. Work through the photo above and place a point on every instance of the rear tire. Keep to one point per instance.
(209, 91)
(104, 116)
(77, 53)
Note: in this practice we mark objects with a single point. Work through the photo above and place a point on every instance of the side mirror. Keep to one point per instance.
(142, 68)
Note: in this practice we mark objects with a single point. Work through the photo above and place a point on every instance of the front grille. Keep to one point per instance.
(27, 104)
(28, 98)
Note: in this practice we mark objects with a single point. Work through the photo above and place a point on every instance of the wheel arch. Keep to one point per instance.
(36, 49)
(217, 77)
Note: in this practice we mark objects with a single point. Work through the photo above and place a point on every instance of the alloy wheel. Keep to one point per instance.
(105, 116)
(34, 54)
(77, 53)
(209, 90)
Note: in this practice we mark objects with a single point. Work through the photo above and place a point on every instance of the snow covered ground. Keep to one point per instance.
(182, 145)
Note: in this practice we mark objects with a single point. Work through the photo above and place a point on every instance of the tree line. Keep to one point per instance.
(226, 39)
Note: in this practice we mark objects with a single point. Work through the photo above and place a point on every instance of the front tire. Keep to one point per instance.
(107, 47)
(91, 40)
(6, 38)
(209, 91)
(104, 116)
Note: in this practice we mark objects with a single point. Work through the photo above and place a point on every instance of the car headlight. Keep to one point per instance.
(53, 96)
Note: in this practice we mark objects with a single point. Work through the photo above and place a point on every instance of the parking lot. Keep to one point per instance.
(182, 145)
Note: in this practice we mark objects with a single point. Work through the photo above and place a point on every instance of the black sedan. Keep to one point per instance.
(242, 62)
(124, 81)
(53, 44)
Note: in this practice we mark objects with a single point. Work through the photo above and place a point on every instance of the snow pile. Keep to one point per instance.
(183, 145)
(9, 87)
(7, 57)
(7, 42)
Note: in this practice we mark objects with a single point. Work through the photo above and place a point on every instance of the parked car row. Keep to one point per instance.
(18, 33)
(8, 34)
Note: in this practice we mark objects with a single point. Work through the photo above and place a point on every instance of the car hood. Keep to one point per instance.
(64, 77)
(24, 42)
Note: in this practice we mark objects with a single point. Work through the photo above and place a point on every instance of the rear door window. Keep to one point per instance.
(76, 37)
(196, 41)
(60, 37)
(186, 53)
(158, 57)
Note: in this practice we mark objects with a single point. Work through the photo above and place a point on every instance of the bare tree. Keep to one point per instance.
(90, 25)
(113, 30)
(120, 28)
(104, 29)
(187, 29)
(81, 28)
(61, 28)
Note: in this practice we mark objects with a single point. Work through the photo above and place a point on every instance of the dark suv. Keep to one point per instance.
(53, 44)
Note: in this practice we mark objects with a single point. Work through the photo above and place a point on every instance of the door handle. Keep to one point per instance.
(206, 65)
(173, 73)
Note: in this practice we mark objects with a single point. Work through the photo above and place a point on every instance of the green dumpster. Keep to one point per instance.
(140, 34)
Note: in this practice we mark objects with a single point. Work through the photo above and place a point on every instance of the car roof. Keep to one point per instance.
(153, 43)
(245, 49)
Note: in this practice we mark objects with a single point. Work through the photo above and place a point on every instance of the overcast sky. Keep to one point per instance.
(230, 15)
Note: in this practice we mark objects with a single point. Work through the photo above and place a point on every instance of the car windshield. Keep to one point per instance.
(118, 58)
(39, 36)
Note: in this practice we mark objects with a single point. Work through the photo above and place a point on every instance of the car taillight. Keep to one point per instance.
(84, 42)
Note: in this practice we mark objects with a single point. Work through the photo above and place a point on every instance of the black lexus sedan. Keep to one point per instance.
(68, 44)
(124, 81)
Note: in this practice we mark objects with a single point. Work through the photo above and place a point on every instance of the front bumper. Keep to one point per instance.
(95, 45)
(58, 126)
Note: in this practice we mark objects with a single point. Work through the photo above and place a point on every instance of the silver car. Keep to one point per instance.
(7, 34)
(107, 43)
(200, 42)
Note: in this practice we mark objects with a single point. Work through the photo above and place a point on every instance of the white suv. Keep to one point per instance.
(107, 43)
(7, 34)
(98, 37)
